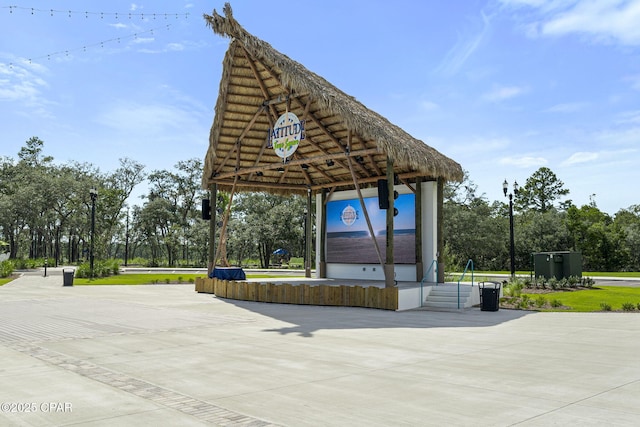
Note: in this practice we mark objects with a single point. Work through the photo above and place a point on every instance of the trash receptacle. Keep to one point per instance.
(67, 276)
(489, 296)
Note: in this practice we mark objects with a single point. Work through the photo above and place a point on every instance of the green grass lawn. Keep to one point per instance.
(148, 279)
(5, 280)
(590, 299)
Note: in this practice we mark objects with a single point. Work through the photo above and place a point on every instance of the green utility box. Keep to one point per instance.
(560, 265)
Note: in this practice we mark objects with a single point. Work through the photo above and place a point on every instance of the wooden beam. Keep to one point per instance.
(261, 184)
(256, 74)
(366, 216)
(308, 160)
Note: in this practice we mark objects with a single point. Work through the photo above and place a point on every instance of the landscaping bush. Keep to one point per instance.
(6, 268)
(605, 307)
(628, 306)
(556, 303)
(100, 269)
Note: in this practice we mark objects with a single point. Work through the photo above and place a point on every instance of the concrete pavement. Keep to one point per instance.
(165, 355)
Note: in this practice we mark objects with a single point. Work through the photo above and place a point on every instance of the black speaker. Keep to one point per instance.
(206, 209)
(383, 194)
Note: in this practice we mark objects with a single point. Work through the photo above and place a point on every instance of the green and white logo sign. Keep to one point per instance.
(286, 135)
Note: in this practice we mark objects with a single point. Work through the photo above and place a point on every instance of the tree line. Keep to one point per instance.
(544, 221)
(45, 213)
(46, 209)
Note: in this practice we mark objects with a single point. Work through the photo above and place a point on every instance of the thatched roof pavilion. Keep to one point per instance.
(344, 140)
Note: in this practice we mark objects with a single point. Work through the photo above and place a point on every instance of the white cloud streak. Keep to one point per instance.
(599, 21)
(501, 93)
(458, 54)
(523, 161)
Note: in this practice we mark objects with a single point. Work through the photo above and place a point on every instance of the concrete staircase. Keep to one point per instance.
(445, 297)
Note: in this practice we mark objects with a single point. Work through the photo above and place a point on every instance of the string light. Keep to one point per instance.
(102, 15)
(100, 43)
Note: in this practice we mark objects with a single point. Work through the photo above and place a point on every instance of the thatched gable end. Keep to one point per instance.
(259, 84)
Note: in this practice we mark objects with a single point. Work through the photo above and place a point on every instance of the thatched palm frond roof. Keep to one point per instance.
(259, 84)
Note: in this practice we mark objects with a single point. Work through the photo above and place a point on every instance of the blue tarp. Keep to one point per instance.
(228, 273)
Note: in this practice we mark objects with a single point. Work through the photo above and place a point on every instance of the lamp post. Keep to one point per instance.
(126, 241)
(94, 194)
(505, 189)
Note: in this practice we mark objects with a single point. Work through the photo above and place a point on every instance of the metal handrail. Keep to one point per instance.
(434, 262)
(462, 277)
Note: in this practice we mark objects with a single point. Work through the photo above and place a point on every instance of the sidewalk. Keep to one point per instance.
(165, 355)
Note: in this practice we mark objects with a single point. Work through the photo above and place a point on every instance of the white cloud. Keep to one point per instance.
(175, 46)
(635, 81)
(118, 25)
(501, 93)
(134, 7)
(428, 105)
(461, 51)
(581, 157)
(21, 83)
(570, 107)
(629, 117)
(523, 161)
(141, 40)
(601, 21)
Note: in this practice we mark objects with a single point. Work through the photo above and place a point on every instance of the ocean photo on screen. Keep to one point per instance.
(348, 239)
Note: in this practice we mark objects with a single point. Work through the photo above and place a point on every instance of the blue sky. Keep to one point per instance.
(501, 86)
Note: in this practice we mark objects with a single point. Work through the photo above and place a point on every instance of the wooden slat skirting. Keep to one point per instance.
(342, 295)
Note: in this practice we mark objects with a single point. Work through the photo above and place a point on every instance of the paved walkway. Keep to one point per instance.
(165, 355)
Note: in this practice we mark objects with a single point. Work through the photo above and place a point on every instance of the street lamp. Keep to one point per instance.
(94, 194)
(505, 189)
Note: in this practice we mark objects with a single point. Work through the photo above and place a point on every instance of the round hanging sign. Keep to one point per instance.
(348, 216)
(286, 135)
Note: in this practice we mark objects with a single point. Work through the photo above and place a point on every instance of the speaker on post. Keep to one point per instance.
(383, 194)
(206, 209)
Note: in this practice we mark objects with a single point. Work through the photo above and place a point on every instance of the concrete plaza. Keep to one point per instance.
(165, 355)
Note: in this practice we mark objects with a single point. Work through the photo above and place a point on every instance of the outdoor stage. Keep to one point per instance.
(338, 292)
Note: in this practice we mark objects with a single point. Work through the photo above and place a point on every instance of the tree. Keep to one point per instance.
(273, 222)
(598, 238)
(541, 191)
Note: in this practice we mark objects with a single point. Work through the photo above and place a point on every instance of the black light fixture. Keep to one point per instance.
(505, 189)
(304, 166)
(280, 169)
(94, 195)
(330, 162)
(259, 173)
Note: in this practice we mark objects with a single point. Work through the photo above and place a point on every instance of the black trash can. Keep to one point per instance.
(489, 296)
(67, 276)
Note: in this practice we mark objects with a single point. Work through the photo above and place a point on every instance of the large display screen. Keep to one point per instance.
(348, 238)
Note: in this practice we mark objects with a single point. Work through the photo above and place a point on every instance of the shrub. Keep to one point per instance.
(512, 289)
(541, 301)
(191, 280)
(587, 282)
(605, 307)
(628, 306)
(167, 280)
(100, 269)
(556, 303)
(6, 268)
(639, 306)
(179, 279)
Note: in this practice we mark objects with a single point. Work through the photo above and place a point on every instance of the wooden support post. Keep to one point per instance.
(389, 270)
(418, 221)
(213, 197)
(439, 228)
(307, 234)
(321, 235)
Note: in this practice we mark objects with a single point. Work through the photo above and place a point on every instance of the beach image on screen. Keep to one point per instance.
(348, 238)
